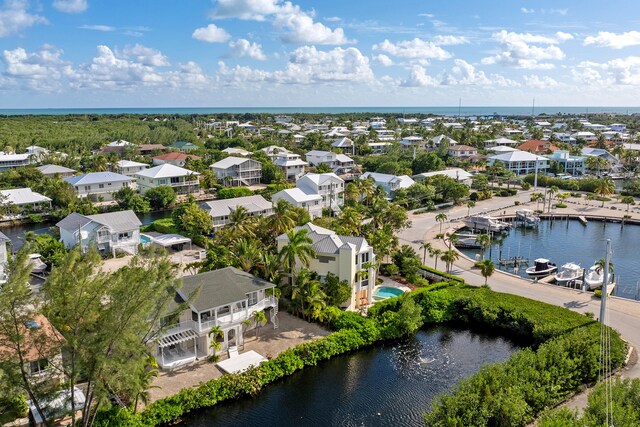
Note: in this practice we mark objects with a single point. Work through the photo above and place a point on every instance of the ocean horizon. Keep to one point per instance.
(440, 111)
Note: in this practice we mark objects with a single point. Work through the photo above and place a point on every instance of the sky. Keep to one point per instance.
(274, 53)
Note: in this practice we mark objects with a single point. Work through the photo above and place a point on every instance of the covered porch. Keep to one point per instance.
(177, 349)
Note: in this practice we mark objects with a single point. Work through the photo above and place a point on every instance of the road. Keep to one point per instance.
(624, 315)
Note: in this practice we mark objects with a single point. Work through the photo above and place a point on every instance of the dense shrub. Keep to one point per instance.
(165, 225)
(233, 192)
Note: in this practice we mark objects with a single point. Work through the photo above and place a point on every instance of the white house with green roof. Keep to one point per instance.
(223, 298)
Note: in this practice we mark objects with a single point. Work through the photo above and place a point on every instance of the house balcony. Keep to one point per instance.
(236, 316)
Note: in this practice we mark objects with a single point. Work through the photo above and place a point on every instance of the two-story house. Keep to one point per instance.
(97, 185)
(12, 161)
(521, 162)
(339, 163)
(328, 185)
(349, 258)
(345, 144)
(291, 164)
(221, 209)
(272, 151)
(129, 167)
(574, 165)
(296, 197)
(223, 298)
(175, 159)
(110, 232)
(389, 183)
(53, 170)
(237, 171)
(458, 174)
(183, 181)
(462, 152)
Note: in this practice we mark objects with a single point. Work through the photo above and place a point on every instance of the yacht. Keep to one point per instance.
(542, 267)
(528, 217)
(568, 273)
(486, 223)
(467, 241)
(595, 277)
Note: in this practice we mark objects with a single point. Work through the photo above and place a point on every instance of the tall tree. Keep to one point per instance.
(283, 218)
(441, 218)
(605, 187)
(487, 267)
(297, 249)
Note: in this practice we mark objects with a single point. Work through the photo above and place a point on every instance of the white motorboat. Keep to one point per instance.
(568, 273)
(467, 241)
(542, 267)
(595, 276)
(486, 223)
(38, 267)
(528, 217)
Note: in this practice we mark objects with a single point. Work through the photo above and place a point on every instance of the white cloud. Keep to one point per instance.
(413, 49)
(525, 10)
(613, 40)
(211, 34)
(307, 65)
(441, 40)
(383, 59)
(562, 12)
(419, 78)
(15, 17)
(145, 55)
(519, 50)
(71, 6)
(41, 70)
(620, 71)
(539, 82)
(294, 24)
(104, 28)
(465, 74)
(242, 47)
(333, 19)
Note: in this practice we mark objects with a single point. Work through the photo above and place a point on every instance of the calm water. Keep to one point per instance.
(16, 233)
(446, 111)
(564, 241)
(384, 386)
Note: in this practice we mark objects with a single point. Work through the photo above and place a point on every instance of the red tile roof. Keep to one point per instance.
(176, 156)
(537, 146)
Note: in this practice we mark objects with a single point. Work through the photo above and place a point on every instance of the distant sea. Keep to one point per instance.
(441, 111)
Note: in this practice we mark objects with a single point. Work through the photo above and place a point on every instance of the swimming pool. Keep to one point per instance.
(384, 292)
(144, 239)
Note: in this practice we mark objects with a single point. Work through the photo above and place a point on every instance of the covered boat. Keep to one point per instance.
(542, 267)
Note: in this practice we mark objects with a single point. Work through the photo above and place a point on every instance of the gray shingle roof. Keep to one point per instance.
(73, 222)
(4, 238)
(326, 241)
(116, 221)
(221, 287)
(223, 207)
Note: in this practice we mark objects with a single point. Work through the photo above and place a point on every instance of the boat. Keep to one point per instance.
(38, 266)
(467, 241)
(527, 217)
(568, 273)
(542, 267)
(595, 276)
(486, 223)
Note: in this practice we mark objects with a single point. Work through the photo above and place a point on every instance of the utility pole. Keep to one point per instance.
(459, 107)
(605, 282)
(533, 107)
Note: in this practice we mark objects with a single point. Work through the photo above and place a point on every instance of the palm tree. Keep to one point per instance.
(269, 267)
(214, 344)
(487, 267)
(350, 220)
(246, 254)
(366, 188)
(259, 318)
(145, 382)
(483, 240)
(298, 249)
(282, 219)
(453, 239)
(553, 190)
(441, 218)
(351, 194)
(537, 197)
(240, 222)
(596, 163)
(427, 247)
(308, 294)
(436, 255)
(628, 200)
(449, 257)
(470, 205)
(605, 188)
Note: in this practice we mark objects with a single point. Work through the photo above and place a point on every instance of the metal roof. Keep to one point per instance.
(223, 207)
(97, 178)
(231, 161)
(129, 163)
(54, 169)
(165, 170)
(296, 195)
(116, 221)
(23, 196)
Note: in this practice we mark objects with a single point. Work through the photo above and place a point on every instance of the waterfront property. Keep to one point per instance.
(96, 185)
(175, 159)
(110, 232)
(237, 171)
(12, 161)
(349, 258)
(224, 299)
(183, 181)
(24, 199)
(458, 174)
(521, 162)
(339, 163)
(574, 165)
(220, 210)
(53, 170)
(389, 183)
(129, 168)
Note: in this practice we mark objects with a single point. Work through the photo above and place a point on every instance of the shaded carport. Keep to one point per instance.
(174, 241)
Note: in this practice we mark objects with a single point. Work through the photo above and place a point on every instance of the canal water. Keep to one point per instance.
(390, 385)
(563, 241)
(16, 232)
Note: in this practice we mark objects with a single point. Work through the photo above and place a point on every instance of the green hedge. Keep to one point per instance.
(165, 225)
(563, 355)
(233, 192)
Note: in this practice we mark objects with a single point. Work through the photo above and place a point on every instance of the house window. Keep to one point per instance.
(38, 366)
(100, 185)
(87, 188)
(253, 298)
(175, 180)
(325, 259)
(364, 257)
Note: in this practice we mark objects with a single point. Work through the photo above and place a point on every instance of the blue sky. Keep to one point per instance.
(90, 53)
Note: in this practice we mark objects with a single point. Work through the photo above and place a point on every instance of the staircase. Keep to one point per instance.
(274, 315)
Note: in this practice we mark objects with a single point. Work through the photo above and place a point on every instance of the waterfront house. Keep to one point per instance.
(24, 200)
(53, 170)
(458, 174)
(291, 164)
(183, 146)
(224, 298)
(521, 162)
(96, 185)
(110, 232)
(339, 163)
(613, 163)
(349, 258)
(298, 198)
(129, 167)
(574, 165)
(389, 183)
(12, 161)
(183, 181)
(328, 185)
(175, 159)
(237, 171)
(220, 210)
